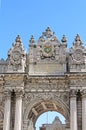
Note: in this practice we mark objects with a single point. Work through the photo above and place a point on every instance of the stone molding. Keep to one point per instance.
(83, 93)
(7, 93)
(19, 93)
(73, 93)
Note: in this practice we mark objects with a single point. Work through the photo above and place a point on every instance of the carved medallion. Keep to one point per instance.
(47, 49)
(16, 57)
(78, 56)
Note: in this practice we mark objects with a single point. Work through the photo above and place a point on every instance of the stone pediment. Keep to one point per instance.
(48, 56)
(16, 56)
(47, 45)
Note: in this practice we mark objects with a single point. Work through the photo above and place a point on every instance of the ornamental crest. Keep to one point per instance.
(78, 56)
(77, 52)
(47, 50)
(15, 58)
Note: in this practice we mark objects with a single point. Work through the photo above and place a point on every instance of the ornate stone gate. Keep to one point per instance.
(46, 78)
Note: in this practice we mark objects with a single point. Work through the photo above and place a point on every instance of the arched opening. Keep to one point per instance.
(50, 119)
(35, 111)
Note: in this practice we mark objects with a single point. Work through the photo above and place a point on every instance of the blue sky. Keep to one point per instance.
(27, 17)
(48, 118)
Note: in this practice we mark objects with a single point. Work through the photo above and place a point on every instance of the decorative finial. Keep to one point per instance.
(78, 41)
(32, 39)
(48, 33)
(48, 29)
(18, 39)
(41, 39)
(64, 39)
(77, 38)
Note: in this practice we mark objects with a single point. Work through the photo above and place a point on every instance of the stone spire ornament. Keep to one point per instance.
(48, 33)
(77, 56)
(18, 39)
(32, 41)
(17, 56)
(78, 41)
(64, 40)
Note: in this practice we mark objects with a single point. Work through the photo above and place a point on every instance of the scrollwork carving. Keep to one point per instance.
(44, 87)
(77, 55)
(16, 56)
(49, 48)
(29, 97)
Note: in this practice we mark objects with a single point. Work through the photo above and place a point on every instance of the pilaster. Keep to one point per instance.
(73, 110)
(7, 110)
(84, 109)
(18, 110)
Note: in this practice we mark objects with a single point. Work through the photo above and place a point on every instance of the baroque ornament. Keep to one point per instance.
(48, 50)
(77, 53)
(78, 56)
(16, 56)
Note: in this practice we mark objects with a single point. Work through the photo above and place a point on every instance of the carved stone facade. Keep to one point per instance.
(47, 78)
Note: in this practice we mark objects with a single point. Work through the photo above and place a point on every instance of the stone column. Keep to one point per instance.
(18, 110)
(7, 110)
(73, 110)
(84, 110)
